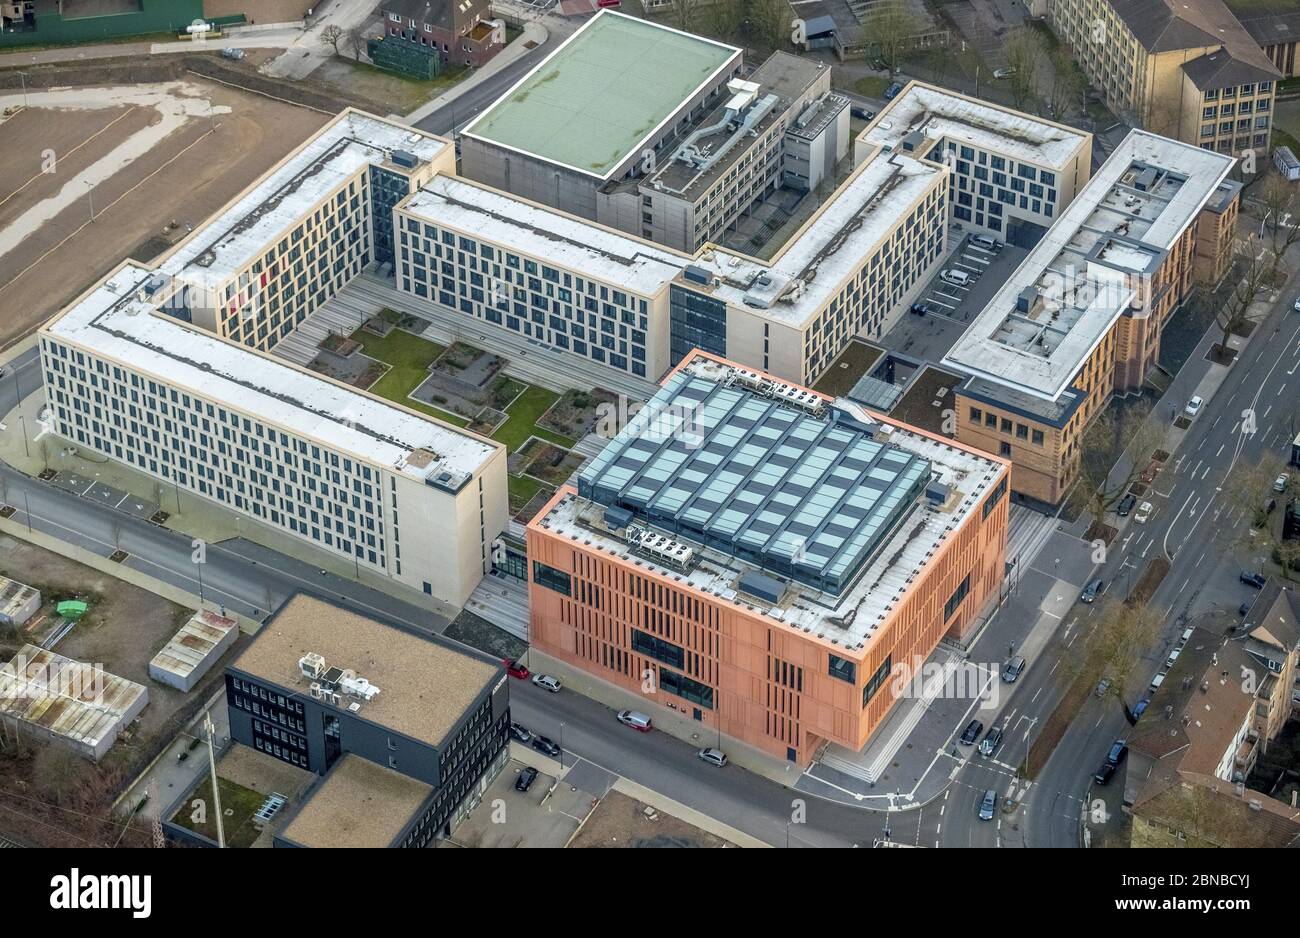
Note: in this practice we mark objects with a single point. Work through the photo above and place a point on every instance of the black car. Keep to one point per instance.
(892, 91)
(1126, 505)
(1251, 578)
(971, 733)
(1091, 591)
(521, 734)
(861, 113)
(526, 778)
(1103, 774)
(919, 309)
(989, 744)
(544, 745)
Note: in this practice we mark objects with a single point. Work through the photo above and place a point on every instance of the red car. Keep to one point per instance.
(515, 669)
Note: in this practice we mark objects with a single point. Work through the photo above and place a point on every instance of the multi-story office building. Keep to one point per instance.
(602, 108)
(349, 473)
(294, 238)
(1185, 70)
(1081, 317)
(1011, 174)
(411, 721)
(741, 151)
(765, 558)
(1275, 27)
(165, 370)
(624, 302)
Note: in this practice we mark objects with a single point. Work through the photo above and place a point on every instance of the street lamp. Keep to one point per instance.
(91, 194)
(22, 77)
(561, 745)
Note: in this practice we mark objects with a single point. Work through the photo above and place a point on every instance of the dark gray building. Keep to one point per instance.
(406, 730)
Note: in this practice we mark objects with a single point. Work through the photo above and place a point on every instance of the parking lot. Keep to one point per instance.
(539, 817)
(950, 306)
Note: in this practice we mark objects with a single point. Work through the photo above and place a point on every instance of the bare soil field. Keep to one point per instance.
(50, 250)
(48, 795)
(620, 821)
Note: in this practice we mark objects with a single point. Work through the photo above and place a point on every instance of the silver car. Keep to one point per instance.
(546, 682)
(713, 756)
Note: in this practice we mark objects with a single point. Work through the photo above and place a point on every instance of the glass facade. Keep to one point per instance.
(698, 321)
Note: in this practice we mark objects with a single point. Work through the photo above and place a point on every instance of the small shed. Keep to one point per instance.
(18, 602)
(193, 650)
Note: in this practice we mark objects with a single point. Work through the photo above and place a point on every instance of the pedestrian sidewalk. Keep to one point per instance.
(533, 31)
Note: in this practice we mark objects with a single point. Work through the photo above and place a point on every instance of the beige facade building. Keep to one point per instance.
(1189, 71)
(1081, 317)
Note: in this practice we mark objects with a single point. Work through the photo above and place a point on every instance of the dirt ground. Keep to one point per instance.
(620, 821)
(186, 177)
(125, 628)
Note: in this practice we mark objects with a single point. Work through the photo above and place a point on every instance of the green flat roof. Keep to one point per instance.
(601, 93)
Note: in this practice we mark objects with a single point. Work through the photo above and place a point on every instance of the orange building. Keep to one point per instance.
(765, 558)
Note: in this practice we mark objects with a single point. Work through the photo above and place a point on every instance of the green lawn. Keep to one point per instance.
(523, 420)
(522, 489)
(410, 357)
(871, 86)
(237, 826)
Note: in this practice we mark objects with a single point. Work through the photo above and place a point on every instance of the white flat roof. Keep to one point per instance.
(939, 113)
(853, 618)
(242, 230)
(546, 234)
(1132, 211)
(834, 245)
(112, 321)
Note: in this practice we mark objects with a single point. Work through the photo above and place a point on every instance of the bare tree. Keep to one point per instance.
(770, 20)
(1114, 435)
(356, 41)
(893, 28)
(1258, 266)
(1281, 212)
(331, 36)
(1066, 86)
(1024, 48)
(1250, 487)
(684, 12)
(722, 18)
(1121, 634)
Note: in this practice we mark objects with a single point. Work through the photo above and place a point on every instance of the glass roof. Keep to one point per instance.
(795, 493)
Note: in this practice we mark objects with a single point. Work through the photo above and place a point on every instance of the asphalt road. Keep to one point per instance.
(469, 103)
(1196, 526)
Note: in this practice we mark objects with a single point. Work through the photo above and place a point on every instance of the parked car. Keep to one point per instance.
(861, 113)
(1157, 681)
(1250, 578)
(1118, 750)
(1012, 669)
(546, 682)
(713, 756)
(985, 242)
(971, 733)
(1091, 591)
(515, 669)
(231, 53)
(1103, 774)
(1194, 406)
(988, 805)
(1143, 513)
(919, 309)
(1244, 608)
(1279, 484)
(1140, 707)
(958, 278)
(1102, 686)
(526, 778)
(1173, 656)
(519, 733)
(990, 744)
(546, 746)
(635, 719)
(1126, 505)
(892, 91)
(1297, 304)
(1004, 72)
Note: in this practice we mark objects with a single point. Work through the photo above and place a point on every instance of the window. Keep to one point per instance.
(551, 578)
(999, 490)
(1038, 438)
(976, 415)
(877, 680)
(955, 600)
(658, 649)
(844, 670)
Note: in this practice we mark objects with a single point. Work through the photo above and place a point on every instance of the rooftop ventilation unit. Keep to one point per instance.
(661, 548)
(404, 158)
(696, 274)
(312, 665)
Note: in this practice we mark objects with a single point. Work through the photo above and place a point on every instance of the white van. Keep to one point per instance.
(985, 242)
(1187, 637)
(957, 278)
(1173, 656)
